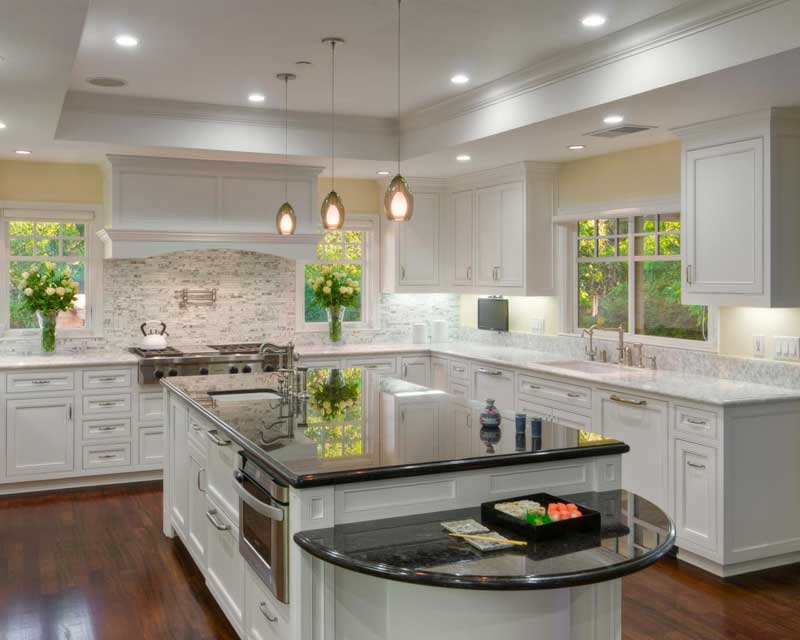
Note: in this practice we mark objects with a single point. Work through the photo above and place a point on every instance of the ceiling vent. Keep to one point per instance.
(621, 130)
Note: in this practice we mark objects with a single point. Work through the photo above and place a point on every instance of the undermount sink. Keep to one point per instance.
(586, 366)
(245, 395)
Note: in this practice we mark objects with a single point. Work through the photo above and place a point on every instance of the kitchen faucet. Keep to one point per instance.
(286, 353)
(591, 350)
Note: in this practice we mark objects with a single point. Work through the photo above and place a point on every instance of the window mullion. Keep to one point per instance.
(631, 276)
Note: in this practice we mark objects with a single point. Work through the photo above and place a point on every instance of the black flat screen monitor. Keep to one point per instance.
(493, 314)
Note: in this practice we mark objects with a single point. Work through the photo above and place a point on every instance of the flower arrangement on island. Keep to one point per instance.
(335, 290)
(335, 395)
(46, 292)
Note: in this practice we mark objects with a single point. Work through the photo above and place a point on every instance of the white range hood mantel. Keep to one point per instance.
(139, 243)
(163, 205)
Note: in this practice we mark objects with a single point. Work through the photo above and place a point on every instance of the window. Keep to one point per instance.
(353, 250)
(629, 274)
(33, 238)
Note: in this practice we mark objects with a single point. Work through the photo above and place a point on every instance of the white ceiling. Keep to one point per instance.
(220, 51)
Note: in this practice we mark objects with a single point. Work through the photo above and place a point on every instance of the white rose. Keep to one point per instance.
(49, 291)
(61, 291)
(25, 275)
(326, 289)
(29, 292)
(75, 286)
(329, 282)
(35, 269)
(67, 271)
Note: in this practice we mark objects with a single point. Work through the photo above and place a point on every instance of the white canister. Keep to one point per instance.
(439, 332)
(419, 333)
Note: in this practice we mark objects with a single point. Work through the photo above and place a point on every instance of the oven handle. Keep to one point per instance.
(263, 508)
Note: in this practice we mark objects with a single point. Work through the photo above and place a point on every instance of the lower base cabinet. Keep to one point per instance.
(225, 565)
(197, 526)
(265, 617)
(39, 436)
(696, 495)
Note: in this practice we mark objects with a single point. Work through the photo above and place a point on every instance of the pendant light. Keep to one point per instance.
(332, 210)
(286, 220)
(399, 200)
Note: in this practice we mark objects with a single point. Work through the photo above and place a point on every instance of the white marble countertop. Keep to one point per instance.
(707, 390)
(14, 361)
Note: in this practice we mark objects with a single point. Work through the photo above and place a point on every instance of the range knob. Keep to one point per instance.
(247, 369)
(203, 371)
(158, 375)
(233, 370)
(172, 373)
(269, 368)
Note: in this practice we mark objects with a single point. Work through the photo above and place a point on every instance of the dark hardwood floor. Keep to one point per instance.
(94, 565)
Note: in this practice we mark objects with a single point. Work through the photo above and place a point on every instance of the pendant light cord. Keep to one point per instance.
(399, 2)
(333, 113)
(286, 139)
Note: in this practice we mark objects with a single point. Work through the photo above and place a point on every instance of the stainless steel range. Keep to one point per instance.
(203, 360)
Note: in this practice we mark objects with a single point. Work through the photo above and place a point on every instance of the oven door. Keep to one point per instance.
(264, 534)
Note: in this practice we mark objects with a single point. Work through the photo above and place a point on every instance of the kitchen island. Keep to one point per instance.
(359, 448)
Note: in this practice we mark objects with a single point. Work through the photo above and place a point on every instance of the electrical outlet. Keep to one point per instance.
(537, 325)
(787, 347)
(759, 346)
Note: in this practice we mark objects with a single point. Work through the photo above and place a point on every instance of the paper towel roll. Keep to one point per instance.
(440, 332)
(419, 333)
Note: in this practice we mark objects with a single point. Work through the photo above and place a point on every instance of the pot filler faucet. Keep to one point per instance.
(285, 353)
(591, 350)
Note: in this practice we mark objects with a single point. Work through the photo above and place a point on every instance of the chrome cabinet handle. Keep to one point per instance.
(402, 415)
(688, 274)
(200, 471)
(110, 427)
(534, 387)
(469, 421)
(459, 369)
(636, 403)
(195, 426)
(489, 372)
(405, 370)
(69, 412)
(41, 381)
(695, 465)
(469, 273)
(265, 509)
(108, 403)
(262, 607)
(696, 421)
(571, 394)
(402, 272)
(109, 379)
(212, 435)
(499, 273)
(107, 456)
(219, 527)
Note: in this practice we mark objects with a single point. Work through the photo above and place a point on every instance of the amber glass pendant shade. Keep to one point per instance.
(286, 220)
(332, 212)
(399, 200)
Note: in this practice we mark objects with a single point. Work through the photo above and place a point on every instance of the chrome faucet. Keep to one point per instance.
(591, 350)
(285, 352)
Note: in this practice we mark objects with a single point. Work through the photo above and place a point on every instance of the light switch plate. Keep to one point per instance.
(537, 325)
(759, 346)
(787, 347)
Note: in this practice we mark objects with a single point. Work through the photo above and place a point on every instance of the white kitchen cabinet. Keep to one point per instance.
(455, 435)
(696, 495)
(500, 231)
(494, 383)
(151, 445)
(225, 565)
(103, 456)
(418, 431)
(223, 460)
(179, 463)
(39, 436)
(740, 195)
(416, 370)
(197, 523)
(265, 617)
(151, 407)
(385, 365)
(440, 375)
(641, 423)
(461, 233)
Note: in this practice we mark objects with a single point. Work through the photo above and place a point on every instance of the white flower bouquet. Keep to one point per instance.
(46, 291)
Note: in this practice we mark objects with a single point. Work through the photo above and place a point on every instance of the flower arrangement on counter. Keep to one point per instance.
(335, 290)
(334, 394)
(46, 292)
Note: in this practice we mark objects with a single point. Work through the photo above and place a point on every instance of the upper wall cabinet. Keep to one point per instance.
(740, 197)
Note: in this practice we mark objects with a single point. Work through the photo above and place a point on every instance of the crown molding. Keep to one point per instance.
(681, 22)
(668, 203)
(235, 168)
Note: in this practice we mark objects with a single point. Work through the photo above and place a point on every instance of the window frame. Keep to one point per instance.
(568, 232)
(86, 214)
(370, 286)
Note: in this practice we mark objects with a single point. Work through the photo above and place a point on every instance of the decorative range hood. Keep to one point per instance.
(163, 205)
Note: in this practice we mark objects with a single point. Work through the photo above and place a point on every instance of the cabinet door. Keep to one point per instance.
(416, 370)
(512, 236)
(419, 243)
(723, 220)
(39, 436)
(496, 384)
(488, 236)
(419, 432)
(198, 524)
(439, 374)
(223, 459)
(461, 232)
(695, 494)
(179, 463)
(151, 445)
(642, 424)
(225, 565)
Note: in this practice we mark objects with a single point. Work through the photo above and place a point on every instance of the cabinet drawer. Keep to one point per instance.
(267, 619)
(106, 379)
(151, 445)
(572, 395)
(108, 428)
(312, 363)
(225, 565)
(40, 381)
(459, 369)
(497, 384)
(381, 365)
(197, 431)
(696, 422)
(108, 403)
(459, 389)
(151, 406)
(98, 456)
(223, 460)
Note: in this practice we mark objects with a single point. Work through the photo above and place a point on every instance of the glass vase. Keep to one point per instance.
(335, 321)
(47, 323)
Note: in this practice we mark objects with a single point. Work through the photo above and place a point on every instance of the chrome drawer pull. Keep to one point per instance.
(219, 527)
(112, 427)
(212, 435)
(459, 369)
(534, 387)
(265, 612)
(636, 403)
(573, 395)
(109, 379)
(196, 427)
(696, 421)
(108, 403)
(40, 381)
(695, 465)
(490, 373)
(107, 456)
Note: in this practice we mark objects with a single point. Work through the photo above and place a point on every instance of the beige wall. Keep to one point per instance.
(50, 182)
(738, 325)
(358, 195)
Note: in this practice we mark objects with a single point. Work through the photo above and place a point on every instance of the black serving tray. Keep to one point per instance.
(589, 522)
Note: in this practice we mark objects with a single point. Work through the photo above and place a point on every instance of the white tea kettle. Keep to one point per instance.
(154, 338)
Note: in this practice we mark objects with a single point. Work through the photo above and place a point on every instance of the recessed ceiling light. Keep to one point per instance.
(126, 40)
(576, 147)
(2, 125)
(256, 97)
(463, 157)
(613, 119)
(593, 20)
(460, 78)
(382, 173)
(107, 83)
(22, 152)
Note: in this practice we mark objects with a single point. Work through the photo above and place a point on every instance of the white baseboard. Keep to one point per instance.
(727, 571)
(29, 486)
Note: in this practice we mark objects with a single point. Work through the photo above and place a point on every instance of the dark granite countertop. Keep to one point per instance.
(359, 426)
(416, 549)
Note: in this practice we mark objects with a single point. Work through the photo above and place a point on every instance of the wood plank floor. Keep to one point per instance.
(94, 565)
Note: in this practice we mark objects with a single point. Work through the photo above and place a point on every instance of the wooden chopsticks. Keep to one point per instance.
(472, 536)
